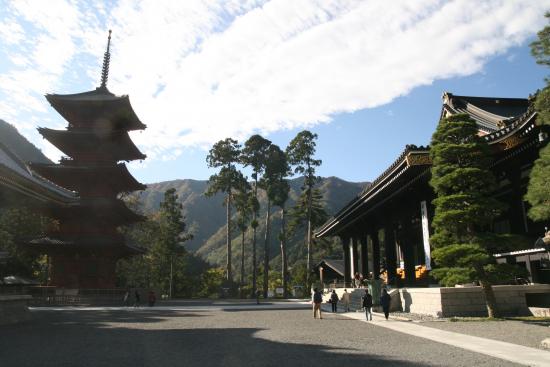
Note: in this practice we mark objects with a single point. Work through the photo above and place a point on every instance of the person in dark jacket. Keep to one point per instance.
(317, 301)
(152, 298)
(367, 304)
(136, 299)
(334, 301)
(385, 301)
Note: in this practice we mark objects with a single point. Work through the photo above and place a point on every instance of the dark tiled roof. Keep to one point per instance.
(336, 265)
(490, 113)
(91, 242)
(497, 117)
(95, 107)
(14, 166)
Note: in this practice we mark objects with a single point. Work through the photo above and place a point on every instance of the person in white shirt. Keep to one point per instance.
(345, 300)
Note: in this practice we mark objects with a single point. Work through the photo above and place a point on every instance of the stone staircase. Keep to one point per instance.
(356, 295)
(355, 298)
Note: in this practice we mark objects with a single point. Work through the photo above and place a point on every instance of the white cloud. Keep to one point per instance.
(199, 71)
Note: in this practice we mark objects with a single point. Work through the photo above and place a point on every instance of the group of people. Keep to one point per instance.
(366, 302)
(151, 298)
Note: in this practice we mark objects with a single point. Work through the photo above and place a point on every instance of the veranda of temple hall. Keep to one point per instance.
(385, 230)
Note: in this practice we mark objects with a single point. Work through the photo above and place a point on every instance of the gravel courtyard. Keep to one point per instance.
(216, 337)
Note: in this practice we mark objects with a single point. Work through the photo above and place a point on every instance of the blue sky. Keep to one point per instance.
(367, 77)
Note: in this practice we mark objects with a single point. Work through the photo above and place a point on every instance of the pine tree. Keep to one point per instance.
(538, 190)
(225, 154)
(172, 232)
(464, 209)
(300, 153)
(244, 207)
(274, 184)
(254, 155)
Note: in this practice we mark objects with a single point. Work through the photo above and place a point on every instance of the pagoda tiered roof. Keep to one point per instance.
(116, 177)
(95, 140)
(111, 211)
(77, 244)
(113, 145)
(98, 108)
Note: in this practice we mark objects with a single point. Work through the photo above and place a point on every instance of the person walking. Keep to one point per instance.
(334, 301)
(356, 280)
(385, 301)
(258, 292)
(126, 298)
(345, 300)
(152, 298)
(317, 301)
(367, 305)
(136, 299)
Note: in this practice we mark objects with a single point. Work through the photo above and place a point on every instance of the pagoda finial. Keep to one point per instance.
(106, 61)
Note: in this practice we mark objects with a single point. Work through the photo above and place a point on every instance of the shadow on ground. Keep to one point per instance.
(115, 338)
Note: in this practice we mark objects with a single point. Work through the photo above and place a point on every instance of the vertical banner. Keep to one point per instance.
(426, 234)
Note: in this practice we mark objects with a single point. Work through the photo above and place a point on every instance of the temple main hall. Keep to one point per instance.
(385, 230)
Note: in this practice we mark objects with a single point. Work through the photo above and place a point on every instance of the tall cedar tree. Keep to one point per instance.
(464, 209)
(298, 219)
(254, 155)
(300, 152)
(538, 191)
(225, 154)
(244, 209)
(172, 232)
(273, 182)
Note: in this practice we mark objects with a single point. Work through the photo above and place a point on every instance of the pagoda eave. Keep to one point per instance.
(113, 211)
(90, 244)
(116, 177)
(97, 107)
(116, 145)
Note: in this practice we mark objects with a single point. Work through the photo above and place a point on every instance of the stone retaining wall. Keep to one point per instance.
(469, 301)
(13, 309)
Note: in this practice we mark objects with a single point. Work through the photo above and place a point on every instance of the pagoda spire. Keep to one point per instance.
(106, 61)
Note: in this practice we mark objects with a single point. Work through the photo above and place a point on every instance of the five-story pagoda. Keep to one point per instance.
(85, 248)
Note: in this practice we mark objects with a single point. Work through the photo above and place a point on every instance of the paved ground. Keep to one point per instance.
(527, 333)
(211, 336)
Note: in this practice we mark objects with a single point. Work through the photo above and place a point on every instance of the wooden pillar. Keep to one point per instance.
(391, 254)
(375, 254)
(355, 257)
(345, 249)
(364, 256)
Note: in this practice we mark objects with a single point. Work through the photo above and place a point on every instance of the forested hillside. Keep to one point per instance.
(206, 216)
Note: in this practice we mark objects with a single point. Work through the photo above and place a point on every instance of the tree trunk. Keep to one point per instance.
(490, 300)
(308, 270)
(266, 248)
(284, 265)
(488, 293)
(254, 265)
(228, 237)
(171, 274)
(242, 261)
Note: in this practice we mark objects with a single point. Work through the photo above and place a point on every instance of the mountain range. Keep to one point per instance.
(205, 216)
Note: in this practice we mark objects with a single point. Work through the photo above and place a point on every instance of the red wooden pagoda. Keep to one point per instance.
(85, 249)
